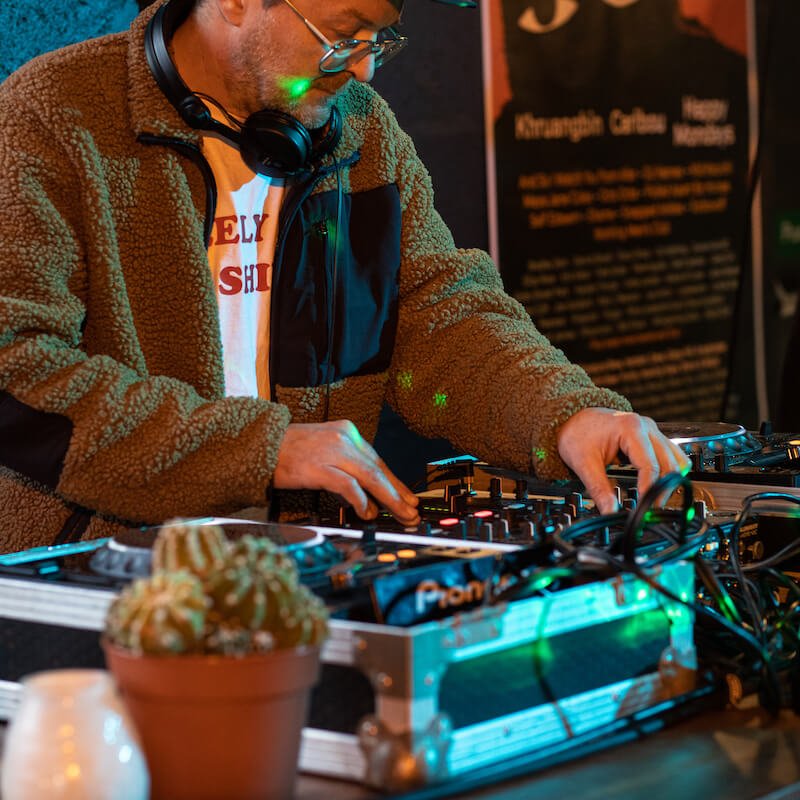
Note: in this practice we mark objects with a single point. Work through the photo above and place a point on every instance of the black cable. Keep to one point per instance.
(728, 618)
(234, 121)
(747, 616)
(770, 679)
(785, 552)
(756, 587)
(678, 551)
(666, 485)
(586, 527)
(333, 293)
(733, 560)
(538, 581)
(776, 558)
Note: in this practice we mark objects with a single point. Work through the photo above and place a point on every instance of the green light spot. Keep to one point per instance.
(638, 629)
(543, 653)
(649, 516)
(642, 594)
(295, 88)
(686, 469)
(405, 380)
(440, 400)
(729, 609)
(542, 582)
(541, 454)
(690, 515)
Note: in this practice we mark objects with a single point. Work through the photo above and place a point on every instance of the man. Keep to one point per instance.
(134, 391)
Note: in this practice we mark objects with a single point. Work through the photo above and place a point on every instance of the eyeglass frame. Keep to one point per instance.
(372, 47)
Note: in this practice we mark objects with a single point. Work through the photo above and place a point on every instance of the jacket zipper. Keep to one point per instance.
(329, 295)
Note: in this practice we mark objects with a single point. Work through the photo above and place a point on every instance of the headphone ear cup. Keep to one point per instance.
(275, 144)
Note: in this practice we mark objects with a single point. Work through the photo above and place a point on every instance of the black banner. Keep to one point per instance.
(620, 171)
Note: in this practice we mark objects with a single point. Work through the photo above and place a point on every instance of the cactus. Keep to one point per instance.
(247, 584)
(186, 545)
(233, 640)
(303, 619)
(163, 614)
(207, 595)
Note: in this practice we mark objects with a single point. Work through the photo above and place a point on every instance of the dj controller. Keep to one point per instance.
(725, 453)
(465, 536)
(476, 521)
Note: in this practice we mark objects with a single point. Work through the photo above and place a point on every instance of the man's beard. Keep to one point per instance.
(263, 91)
(316, 114)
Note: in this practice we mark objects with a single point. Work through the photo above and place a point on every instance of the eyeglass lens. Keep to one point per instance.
(347, 52)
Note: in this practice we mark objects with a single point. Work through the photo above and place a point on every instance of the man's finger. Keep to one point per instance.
(592, 474)
(405, 493)
(347, 487)
(377, 479)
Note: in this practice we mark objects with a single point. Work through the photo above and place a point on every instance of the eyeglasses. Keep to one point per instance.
(347, 52)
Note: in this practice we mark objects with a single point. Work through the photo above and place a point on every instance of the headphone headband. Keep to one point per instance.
(271, 142)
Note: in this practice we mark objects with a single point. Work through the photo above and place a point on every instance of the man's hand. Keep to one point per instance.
(333, 456)
(591, 439)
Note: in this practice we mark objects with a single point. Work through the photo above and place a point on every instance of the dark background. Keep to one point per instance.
(435, 89)
(779, 32)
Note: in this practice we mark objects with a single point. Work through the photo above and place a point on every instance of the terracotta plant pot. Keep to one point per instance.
(218, 726)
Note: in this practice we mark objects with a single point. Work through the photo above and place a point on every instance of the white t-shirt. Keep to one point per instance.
(241, 251)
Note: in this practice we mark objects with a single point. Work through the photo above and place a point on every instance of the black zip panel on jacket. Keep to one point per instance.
(366, 293)
(33, 443)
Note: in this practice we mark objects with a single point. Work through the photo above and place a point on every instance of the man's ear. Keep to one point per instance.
(233, 11)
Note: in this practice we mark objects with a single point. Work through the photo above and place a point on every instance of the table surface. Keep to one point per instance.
(735, 754)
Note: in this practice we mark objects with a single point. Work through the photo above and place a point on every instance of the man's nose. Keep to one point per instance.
(363, 70)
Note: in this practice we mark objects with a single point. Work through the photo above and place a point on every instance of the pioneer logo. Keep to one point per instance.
(430, 593)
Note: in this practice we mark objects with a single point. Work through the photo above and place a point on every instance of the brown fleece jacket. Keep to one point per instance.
(108, 315)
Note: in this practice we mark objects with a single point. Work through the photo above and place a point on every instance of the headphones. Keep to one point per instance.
(271, 142)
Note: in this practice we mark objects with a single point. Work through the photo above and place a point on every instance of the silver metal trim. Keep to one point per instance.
(82, 607)
(10, 698)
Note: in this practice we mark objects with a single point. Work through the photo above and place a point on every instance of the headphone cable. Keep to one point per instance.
(316, 514)
(334, 283)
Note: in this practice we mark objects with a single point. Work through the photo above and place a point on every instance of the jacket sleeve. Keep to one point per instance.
(469, 364)
(96, 429)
